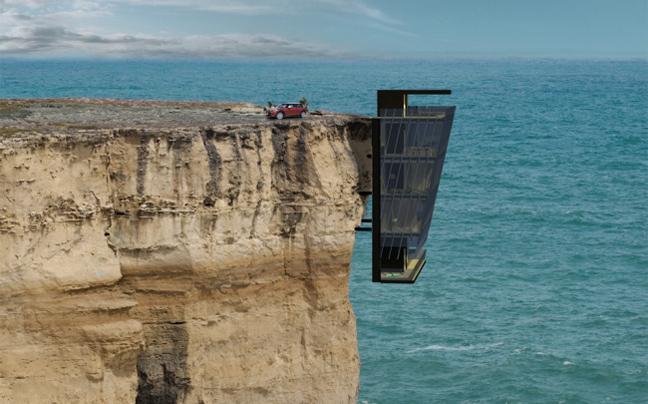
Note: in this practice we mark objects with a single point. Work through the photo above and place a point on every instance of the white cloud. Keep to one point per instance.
(36, 7)
(224, 6)
(32, 4)
(23, 41)
(391, 29)
(77, 27)
(360, 8)
(59, 40)
(340, 7)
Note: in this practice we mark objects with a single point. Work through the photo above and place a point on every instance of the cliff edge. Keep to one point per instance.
(177, 252)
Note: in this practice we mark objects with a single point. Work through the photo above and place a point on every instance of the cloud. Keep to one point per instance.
(248, 45)
(25, 41)
(245, 7)
(19, 15)
(391, 29)
(59, 40)
(42, 7)
(77, 27)
(359, 8)
(32, 4)
(251, 7)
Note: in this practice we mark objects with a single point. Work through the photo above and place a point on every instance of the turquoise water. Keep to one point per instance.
(536, 286)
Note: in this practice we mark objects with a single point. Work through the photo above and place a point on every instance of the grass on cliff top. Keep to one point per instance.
(10, 106)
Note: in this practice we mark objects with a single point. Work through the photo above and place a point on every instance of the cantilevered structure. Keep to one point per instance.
(409, 146)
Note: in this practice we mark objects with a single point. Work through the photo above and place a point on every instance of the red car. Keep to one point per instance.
(286, 111)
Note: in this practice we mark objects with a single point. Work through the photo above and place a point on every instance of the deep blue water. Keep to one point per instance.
(536, 286)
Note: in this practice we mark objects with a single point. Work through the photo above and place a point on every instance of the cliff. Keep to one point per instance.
(175, 252)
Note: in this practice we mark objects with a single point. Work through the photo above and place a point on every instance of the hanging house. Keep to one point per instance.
(409, 146)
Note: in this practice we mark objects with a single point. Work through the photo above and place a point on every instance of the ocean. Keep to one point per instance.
(536, 285)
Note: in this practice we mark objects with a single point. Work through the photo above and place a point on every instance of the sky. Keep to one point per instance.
(324, 29)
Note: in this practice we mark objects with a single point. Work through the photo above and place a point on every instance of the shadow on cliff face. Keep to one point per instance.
(291, 168)
(214, 160)
(162, 367)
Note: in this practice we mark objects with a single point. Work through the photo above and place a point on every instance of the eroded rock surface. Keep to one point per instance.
(159, 252)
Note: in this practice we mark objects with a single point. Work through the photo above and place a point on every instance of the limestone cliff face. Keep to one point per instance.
(186, 261)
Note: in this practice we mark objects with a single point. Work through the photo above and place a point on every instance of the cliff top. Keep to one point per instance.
(21, 117)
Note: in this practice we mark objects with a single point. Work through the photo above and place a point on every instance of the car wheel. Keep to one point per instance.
(303, 114)
(280, 115)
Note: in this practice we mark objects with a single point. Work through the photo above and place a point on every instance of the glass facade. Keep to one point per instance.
(412, 145)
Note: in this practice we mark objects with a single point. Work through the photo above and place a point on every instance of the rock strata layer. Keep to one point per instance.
(161, 252)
